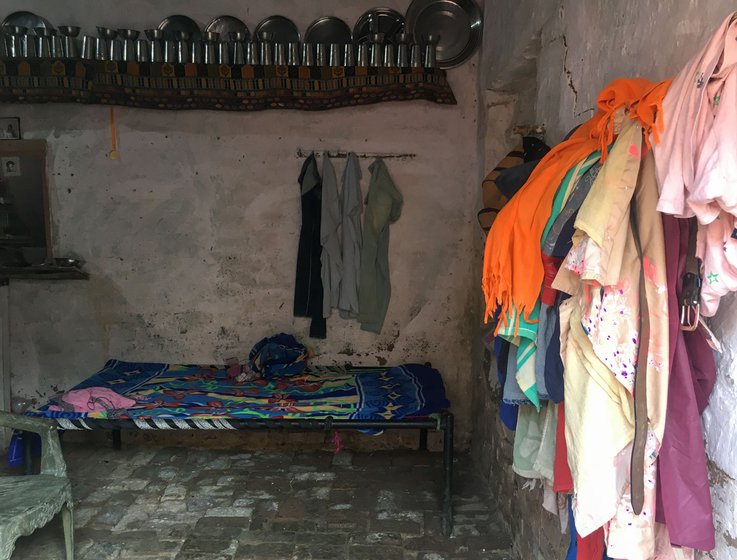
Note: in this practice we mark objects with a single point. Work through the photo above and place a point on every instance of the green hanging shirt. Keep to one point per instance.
(383, 207)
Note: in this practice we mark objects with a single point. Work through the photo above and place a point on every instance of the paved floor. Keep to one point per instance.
(195, 504)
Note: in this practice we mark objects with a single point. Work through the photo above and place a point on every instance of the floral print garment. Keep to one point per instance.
(609, 305)
(606, 261)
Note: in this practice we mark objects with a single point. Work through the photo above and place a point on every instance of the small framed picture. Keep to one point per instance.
(10, 166)
(9, 128)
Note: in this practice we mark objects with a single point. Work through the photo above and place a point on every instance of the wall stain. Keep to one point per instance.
(387, 346)
(347, 350)
(717, 477)
(108, 304)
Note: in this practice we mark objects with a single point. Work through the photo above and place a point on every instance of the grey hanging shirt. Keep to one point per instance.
(383, 207)
(352, 208)
(331, 259)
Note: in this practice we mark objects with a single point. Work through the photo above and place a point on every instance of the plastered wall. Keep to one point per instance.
(190, 237)
(566, 52)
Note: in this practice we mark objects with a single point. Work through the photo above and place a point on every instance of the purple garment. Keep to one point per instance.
(683, 498)
(507, 412)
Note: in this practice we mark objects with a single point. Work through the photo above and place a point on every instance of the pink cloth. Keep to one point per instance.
(696, 158)
(96, 399)
(718, 251)
(695, 116)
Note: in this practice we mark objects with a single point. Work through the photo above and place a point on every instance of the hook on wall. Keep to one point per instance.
(529, 130)
(339, 154)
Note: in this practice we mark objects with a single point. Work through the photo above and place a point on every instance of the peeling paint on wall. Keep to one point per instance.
(717, 477)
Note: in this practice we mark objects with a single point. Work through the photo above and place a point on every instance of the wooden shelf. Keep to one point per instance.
(215, 86)
(42, 273)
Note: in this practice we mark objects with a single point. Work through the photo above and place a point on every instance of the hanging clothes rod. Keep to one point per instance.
(363, 155)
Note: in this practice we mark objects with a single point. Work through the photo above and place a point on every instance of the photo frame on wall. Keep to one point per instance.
(10, 166)
(25, 227)
(10, 128)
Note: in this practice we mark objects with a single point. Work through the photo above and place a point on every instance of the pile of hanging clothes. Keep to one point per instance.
(342, 264)
(598, 272)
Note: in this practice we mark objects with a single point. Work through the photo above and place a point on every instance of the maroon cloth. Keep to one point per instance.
(591, 547)
(550, 266)
(562, 477)
(683, 498)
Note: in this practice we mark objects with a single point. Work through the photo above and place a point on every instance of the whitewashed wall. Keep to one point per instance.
(190, 238)
(569, 51)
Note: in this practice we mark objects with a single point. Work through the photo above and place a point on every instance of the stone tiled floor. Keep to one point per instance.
(195, 504)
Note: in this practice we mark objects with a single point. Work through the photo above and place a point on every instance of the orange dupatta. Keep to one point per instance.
(513, 269)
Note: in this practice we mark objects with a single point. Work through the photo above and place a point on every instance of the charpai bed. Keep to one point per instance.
(150, 396)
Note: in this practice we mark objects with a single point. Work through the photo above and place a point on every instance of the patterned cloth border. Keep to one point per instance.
(215, 86)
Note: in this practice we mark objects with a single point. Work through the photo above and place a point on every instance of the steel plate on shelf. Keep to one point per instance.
(328, 29)
(175, 24)
(282, 29)
(225, 25)
(379, 20)
(458, 23)
(29, 20)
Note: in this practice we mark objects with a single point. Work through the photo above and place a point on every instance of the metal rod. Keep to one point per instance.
(117, 441)
(278, 424)
(362, 155)
(447, 521)
(28, 451)
(423, 439)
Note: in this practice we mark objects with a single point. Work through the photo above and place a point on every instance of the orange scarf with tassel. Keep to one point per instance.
(513, 269)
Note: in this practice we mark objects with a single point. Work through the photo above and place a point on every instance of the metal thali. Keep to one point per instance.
(282, 29)
(225, 25)
(173, 25)
(29, 20)
(328, 29)
(379, 20)
(458, 23)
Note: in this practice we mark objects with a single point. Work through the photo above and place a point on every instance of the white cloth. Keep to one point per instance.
(352, 208)
(546, 456)
(599, 425)
(331, 257)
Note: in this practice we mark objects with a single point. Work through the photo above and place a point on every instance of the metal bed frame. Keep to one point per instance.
(442, 422)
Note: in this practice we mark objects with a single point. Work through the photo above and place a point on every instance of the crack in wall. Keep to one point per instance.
(568, 72)
(581, 113)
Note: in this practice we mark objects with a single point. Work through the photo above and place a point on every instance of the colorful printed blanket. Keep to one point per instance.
(165, 391)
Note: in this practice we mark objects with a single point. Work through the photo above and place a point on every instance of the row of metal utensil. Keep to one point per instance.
(126, 45)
